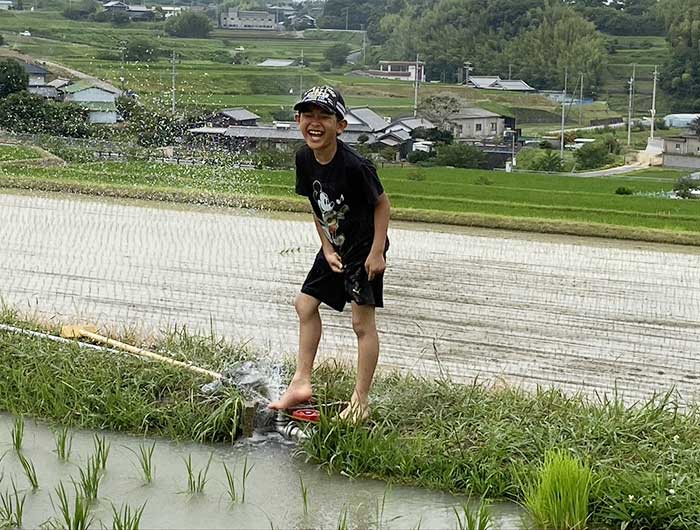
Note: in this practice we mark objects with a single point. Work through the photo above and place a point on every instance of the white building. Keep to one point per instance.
(403, 70)
(98, 100)
(6, 5)
(236, 19)
(681, 121)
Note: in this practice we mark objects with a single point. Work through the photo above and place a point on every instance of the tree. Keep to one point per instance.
(563, 40)
(547, 161)
(460, 155)
(439, 107)
(695, 126)
(13, 78)
(189, 24)
(80, 11)
(141, 49)
(337, 54)
(593, 155)
(28, 113)
(2, 39)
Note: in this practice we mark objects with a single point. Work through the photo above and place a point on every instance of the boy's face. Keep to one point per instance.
(319, 127)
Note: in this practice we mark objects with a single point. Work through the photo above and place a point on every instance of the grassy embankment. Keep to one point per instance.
(522, 201)
(468, 439)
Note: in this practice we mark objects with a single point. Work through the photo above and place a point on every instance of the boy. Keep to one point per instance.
(351, 214)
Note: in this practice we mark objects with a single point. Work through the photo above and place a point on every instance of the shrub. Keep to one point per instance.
(593, 155)
(548, 161)
(418, 156)
(325, 66)
(13, 78)
(220, 56)
(189, 24)
(684, 187)
(24, 112)
(337, 54)
(141, 49)
(2, 39)
(459, 155)
(622, 190)
(544, 144)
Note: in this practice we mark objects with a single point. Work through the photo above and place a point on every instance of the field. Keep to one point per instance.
(15, 152)
(520, 197)
(204, 81)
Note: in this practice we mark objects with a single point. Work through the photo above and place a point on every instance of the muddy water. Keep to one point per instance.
(582, 314)
(273, 487)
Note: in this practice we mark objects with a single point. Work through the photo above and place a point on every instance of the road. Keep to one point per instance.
(581, 314)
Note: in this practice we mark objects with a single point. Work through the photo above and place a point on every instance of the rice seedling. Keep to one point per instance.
(558, 497)
(29, 471)
(75, 517)
(145, 461)
(101, 450)
(480, 518)
(64, 443)
(11, 508)
(304, 495)
(197, 484)
(230, 484)
(379, 510)
(343, 519)
(90, 478)
(18, 433)
(244, 477)
(125, 518)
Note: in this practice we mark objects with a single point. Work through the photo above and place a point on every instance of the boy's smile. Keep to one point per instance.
(320, 129)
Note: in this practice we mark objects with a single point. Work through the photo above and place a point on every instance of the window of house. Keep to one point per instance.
(678, 146)
(478, 127)
(493, 126)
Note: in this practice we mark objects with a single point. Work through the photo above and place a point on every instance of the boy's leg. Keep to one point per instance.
(365, 327)
(299, 389)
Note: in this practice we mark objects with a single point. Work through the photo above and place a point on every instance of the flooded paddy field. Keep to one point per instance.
(273, 487)
(581, 314)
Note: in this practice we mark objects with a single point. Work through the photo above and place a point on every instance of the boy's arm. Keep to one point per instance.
(329, 252)
(375, 263)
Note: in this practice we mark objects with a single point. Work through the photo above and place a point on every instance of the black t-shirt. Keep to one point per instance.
(343, 194)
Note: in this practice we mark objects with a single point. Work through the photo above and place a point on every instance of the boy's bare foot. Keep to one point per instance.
(357, 411)
(297, 392)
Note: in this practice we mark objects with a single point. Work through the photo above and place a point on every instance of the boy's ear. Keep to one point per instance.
(342, 124)
(296, 117)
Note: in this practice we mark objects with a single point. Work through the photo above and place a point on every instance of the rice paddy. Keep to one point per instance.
(499, 442)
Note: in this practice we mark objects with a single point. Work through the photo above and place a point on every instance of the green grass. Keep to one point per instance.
(64, 443)
(127, 518)
(476, 440)
(75, 516)
(120, 393)
(487, 198)
(145, 461)
(15, 152)
(12, 508)
(197, 483)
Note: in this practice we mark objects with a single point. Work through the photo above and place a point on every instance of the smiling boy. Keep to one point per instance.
(351, 215)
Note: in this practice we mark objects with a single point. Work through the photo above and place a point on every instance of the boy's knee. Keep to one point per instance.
(362, 326)
(306, 306)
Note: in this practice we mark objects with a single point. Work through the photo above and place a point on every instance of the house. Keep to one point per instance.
(365, 120)
(301, 21)
(235, 18)
(230, 118)
(682, 145)
(58, 83)
(409, 124)
(496, 83)
(6, 5)
(240, 137)
(171, 11)
(402, 70)
(472, 123)
(37, 74)
(140, 13)
(98, 98)
(45, 91)
(115, 6)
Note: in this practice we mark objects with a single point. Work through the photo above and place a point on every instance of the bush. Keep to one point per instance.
(592, 156)
(544, 144)
(220, 56)
(622, 190)
(418, 156)
(119, 19)
(459, 155)
(2, 39)
(684, 187)
(141, 49)
(325, 66)
(189, 25)
(13, 78)
(548, 161)
(337, 54)
(26, 113)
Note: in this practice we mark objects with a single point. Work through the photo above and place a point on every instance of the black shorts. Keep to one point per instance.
(335, 289)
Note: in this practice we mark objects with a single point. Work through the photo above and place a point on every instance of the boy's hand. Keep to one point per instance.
(375, 265)
(334, 261)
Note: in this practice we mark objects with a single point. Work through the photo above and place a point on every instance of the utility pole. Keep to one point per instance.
(563, 114)
(347, 14)
(580, 104)
(653, 103)
(630, 106)
(510, 71)
(364, 44)
(301, 74)
(122, 77)
(173, 109)
(415, 91)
